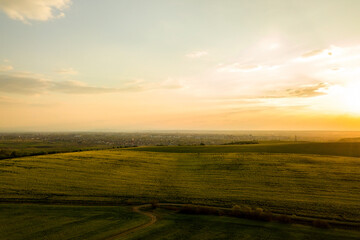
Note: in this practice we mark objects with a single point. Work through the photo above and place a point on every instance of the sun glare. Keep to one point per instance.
(345, 99)
(350, 98)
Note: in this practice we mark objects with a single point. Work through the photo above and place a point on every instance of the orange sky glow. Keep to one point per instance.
(218, 65)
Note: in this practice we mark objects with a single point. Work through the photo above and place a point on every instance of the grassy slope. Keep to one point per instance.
(181, 226)
(310, 185)
(18, 221)
(351, 149)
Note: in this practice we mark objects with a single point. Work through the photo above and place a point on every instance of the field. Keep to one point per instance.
(181, 226)
(308, 185)
(22, 222)
(351, 149)
(32, 221)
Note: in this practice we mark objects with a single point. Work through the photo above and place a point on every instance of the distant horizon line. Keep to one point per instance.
(159, 131)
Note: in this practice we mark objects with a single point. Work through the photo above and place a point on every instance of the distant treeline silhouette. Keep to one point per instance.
(10, 153)
(242, 142)
(5, 154)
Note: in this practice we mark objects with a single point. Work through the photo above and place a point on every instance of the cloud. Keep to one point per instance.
(76, 87)
(37, 10)
(66, 71)
(22, 83)
(4, 100)
(4, 68)
(197, 54)
(168, 84)
(319, 54)
(308, 90)
(312, 53)
(34, 84)
(29, 83)
(257, 75)
(237, 67)
(302, 91)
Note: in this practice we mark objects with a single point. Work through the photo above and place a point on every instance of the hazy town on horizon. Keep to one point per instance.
(188, 137)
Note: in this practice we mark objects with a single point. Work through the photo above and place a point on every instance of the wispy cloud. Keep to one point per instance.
(66, 71)
(321, 54)
(29, 83)
(76, 87)
(237, 67)
(23, 83)
(6, 67)
(4, 100)
(317, 80)
(301, 91)
(297, 91)
(197, 54)
(168, 84)
(37, 10)
(308, 90)
(312, 53)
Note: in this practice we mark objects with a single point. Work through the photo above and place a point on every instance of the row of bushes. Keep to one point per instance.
(13, 154)
(258, 214)
(249, 213)
(126, 146)
(242, 142)
(4, 154)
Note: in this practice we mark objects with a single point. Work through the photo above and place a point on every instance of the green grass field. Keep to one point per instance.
(22, 222)
(306, 185)
(180, 226)
(350, 149)
(32, 221)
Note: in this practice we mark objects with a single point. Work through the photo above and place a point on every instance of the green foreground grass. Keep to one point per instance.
(22, 221)
(317, 186)
(31, 221)
(182, 226)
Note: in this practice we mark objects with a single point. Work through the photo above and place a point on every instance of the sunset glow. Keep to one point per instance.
(351, 97)
(179, 65)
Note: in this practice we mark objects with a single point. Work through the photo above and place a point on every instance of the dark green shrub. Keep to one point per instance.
(320, 224)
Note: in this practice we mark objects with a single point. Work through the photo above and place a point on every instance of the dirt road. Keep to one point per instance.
(136, 209)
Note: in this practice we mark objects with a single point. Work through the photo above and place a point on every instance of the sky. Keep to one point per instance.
(131, 65)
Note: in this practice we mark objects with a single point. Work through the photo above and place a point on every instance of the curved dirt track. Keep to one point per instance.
(136, 209)
(153, 219)
(152, 216)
